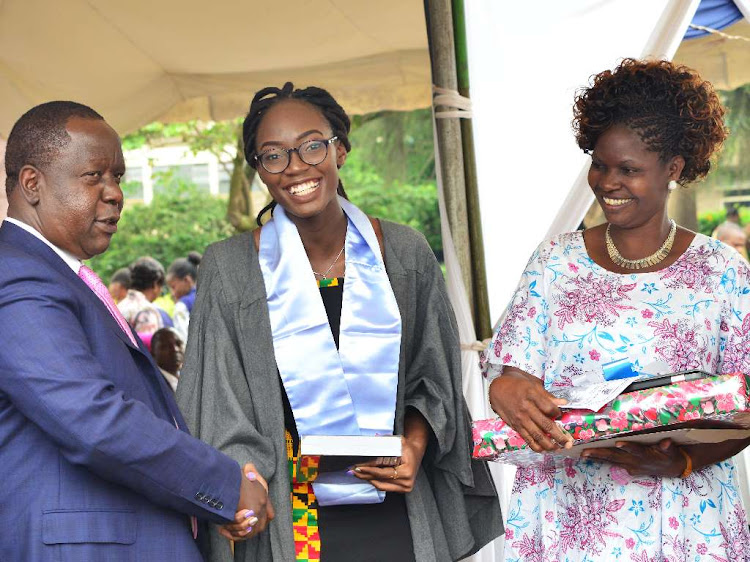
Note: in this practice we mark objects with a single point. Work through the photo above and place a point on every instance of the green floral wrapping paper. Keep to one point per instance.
(717, 398)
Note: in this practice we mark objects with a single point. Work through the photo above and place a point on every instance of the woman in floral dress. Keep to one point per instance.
(637, 288)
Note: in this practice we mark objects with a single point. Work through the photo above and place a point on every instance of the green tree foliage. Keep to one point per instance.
(215, 138)
(181, 219)
(736, 156)
(733, 165)
(414, 205)
(708, 221)
(390, 172)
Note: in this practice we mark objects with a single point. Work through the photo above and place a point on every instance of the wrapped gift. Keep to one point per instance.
(676, 411)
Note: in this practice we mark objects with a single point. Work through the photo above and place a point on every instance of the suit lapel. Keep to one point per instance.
(22, 240)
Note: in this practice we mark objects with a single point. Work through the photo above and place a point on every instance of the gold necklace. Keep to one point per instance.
(642, 263)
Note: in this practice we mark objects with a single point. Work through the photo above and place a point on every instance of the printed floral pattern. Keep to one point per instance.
(568, 318)
(593, 299)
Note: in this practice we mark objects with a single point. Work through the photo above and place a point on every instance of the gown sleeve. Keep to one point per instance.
(213, 392)
(464, 494)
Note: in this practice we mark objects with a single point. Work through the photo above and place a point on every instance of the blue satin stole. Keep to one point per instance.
(349, 391)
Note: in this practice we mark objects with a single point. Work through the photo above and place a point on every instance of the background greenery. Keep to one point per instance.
(179, 220)
(707, 222)
(390, 174)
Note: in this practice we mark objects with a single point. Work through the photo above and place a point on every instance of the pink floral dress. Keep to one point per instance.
(567, 318)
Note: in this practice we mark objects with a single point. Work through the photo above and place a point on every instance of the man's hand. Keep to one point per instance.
(254, 510)
(521, 401)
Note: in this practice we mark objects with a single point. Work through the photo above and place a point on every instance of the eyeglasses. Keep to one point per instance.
(276, 160)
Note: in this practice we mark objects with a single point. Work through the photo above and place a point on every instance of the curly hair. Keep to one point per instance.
(266, 98)
(674, 111)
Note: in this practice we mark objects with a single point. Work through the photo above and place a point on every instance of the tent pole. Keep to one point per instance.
(481, 312)
(442, 59)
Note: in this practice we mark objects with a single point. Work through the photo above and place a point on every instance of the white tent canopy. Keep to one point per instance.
(138, 61)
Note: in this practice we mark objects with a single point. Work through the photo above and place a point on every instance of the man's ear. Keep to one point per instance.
(30, 179)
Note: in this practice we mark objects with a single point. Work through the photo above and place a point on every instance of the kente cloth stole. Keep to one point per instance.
(349, 391)
(304, 506)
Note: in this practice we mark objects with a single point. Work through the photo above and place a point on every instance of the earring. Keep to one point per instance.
(672, 185)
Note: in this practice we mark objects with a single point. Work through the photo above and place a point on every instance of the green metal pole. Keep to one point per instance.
(448, 131)
(481, 303)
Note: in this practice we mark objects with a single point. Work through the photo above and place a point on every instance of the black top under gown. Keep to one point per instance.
(371, 532)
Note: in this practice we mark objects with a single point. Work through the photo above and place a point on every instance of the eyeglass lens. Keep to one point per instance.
(312, 152)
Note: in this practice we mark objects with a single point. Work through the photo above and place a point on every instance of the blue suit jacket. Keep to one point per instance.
(92, 466)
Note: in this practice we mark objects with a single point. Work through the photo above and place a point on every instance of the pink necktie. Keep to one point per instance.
(100, 290)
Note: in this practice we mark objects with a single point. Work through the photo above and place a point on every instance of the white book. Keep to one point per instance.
(349, 450)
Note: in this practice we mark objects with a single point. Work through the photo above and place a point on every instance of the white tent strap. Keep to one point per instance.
(457, 106)
(720, 33)
(476, 346)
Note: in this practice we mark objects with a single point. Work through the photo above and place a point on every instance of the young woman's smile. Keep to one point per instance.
(303, 190)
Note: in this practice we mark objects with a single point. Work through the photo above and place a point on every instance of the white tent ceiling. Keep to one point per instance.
(137, 61)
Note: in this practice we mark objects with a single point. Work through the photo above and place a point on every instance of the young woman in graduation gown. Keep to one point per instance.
(326, 321)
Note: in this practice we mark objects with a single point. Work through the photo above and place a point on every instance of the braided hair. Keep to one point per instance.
(673, 110)
(318, 97)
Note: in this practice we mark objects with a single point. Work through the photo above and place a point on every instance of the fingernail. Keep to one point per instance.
(350, 472)
(358, 469)
(252, 521)
(247, 531)
(251, 475)
(247, 513)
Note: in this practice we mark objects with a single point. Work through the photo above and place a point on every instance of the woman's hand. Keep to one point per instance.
(663, 459)
(400, 478)
(521, 401)
(247, 523)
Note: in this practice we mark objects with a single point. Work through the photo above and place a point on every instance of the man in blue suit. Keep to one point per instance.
(95, 458)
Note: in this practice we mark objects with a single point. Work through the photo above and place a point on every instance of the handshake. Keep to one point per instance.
(254, 509)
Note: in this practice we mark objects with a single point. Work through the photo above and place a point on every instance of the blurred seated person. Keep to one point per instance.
(733, 216)
(119, 284)
(181, 278)
(167, 350)
(146, 283)
(733, 235)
